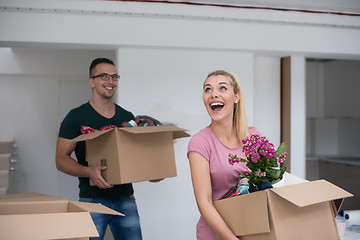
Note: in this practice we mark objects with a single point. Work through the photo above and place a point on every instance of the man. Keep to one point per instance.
(100, 111)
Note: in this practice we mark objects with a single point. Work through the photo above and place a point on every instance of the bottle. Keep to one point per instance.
(352, 217)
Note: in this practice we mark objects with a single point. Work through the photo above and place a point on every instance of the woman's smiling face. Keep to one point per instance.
(219, 97)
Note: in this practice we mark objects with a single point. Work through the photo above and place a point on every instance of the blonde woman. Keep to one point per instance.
(208, 151)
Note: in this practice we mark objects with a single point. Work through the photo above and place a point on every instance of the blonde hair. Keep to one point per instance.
(239, 116)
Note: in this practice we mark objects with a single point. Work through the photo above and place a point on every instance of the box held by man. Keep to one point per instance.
(133, 154)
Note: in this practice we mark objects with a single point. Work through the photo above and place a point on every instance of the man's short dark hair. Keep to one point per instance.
(97, 61)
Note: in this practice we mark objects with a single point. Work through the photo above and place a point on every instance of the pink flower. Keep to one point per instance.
(247, 172)
(260, 174)
(261, 157)
(255, 158)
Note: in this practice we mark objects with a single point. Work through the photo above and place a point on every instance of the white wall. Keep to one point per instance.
(26, 114)
(163, 53)
(267, 97)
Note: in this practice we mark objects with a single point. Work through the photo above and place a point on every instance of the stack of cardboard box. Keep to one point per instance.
(6, 148)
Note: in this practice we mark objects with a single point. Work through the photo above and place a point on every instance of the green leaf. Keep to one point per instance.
(275, 181)
(274, 162)
(274, 173)
(242, 160)
(243, 174)
(251, 179)
(251, 165)
(283, 169)
(257, 180)
(282, 149)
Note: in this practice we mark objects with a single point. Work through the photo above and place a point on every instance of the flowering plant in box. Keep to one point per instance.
(262, 160)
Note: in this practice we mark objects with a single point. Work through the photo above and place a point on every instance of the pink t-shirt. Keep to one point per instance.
(223, 175)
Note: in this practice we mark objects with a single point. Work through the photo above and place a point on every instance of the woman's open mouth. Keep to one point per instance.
(216, 106)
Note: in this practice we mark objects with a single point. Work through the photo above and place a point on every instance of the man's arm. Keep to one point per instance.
(65, 163)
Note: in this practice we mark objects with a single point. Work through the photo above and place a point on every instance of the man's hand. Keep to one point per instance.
(96, 177)
(66, 164)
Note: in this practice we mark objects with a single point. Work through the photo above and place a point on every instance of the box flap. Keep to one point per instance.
(178, 132)
(47, 226)
(305, 194)
(92, 207)
(28, 197)
(245, 214)
(88, 136)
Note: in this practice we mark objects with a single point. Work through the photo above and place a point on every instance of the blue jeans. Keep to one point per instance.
(122, 227)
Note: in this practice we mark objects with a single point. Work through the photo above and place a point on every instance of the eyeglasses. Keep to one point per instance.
(106, 77)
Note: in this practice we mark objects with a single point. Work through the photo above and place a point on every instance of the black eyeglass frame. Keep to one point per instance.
(106, 77)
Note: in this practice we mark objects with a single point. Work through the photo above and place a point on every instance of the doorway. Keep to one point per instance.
(333, 124)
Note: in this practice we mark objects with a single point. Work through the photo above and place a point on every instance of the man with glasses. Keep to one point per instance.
(100, 111)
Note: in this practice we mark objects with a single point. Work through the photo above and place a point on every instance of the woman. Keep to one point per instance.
(208, 151)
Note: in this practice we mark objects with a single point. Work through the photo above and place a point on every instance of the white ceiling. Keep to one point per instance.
(331, 6)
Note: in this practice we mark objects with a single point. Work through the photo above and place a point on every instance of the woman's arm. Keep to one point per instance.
(200, 174)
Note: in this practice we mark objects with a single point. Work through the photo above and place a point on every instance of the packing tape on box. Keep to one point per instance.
(352, 216)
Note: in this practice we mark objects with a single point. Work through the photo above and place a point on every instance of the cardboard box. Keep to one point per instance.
(3, 191)
(5, 161)
(6, 146)
(133, 154)
(38, 216)
(4, 178)
(296, 212)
